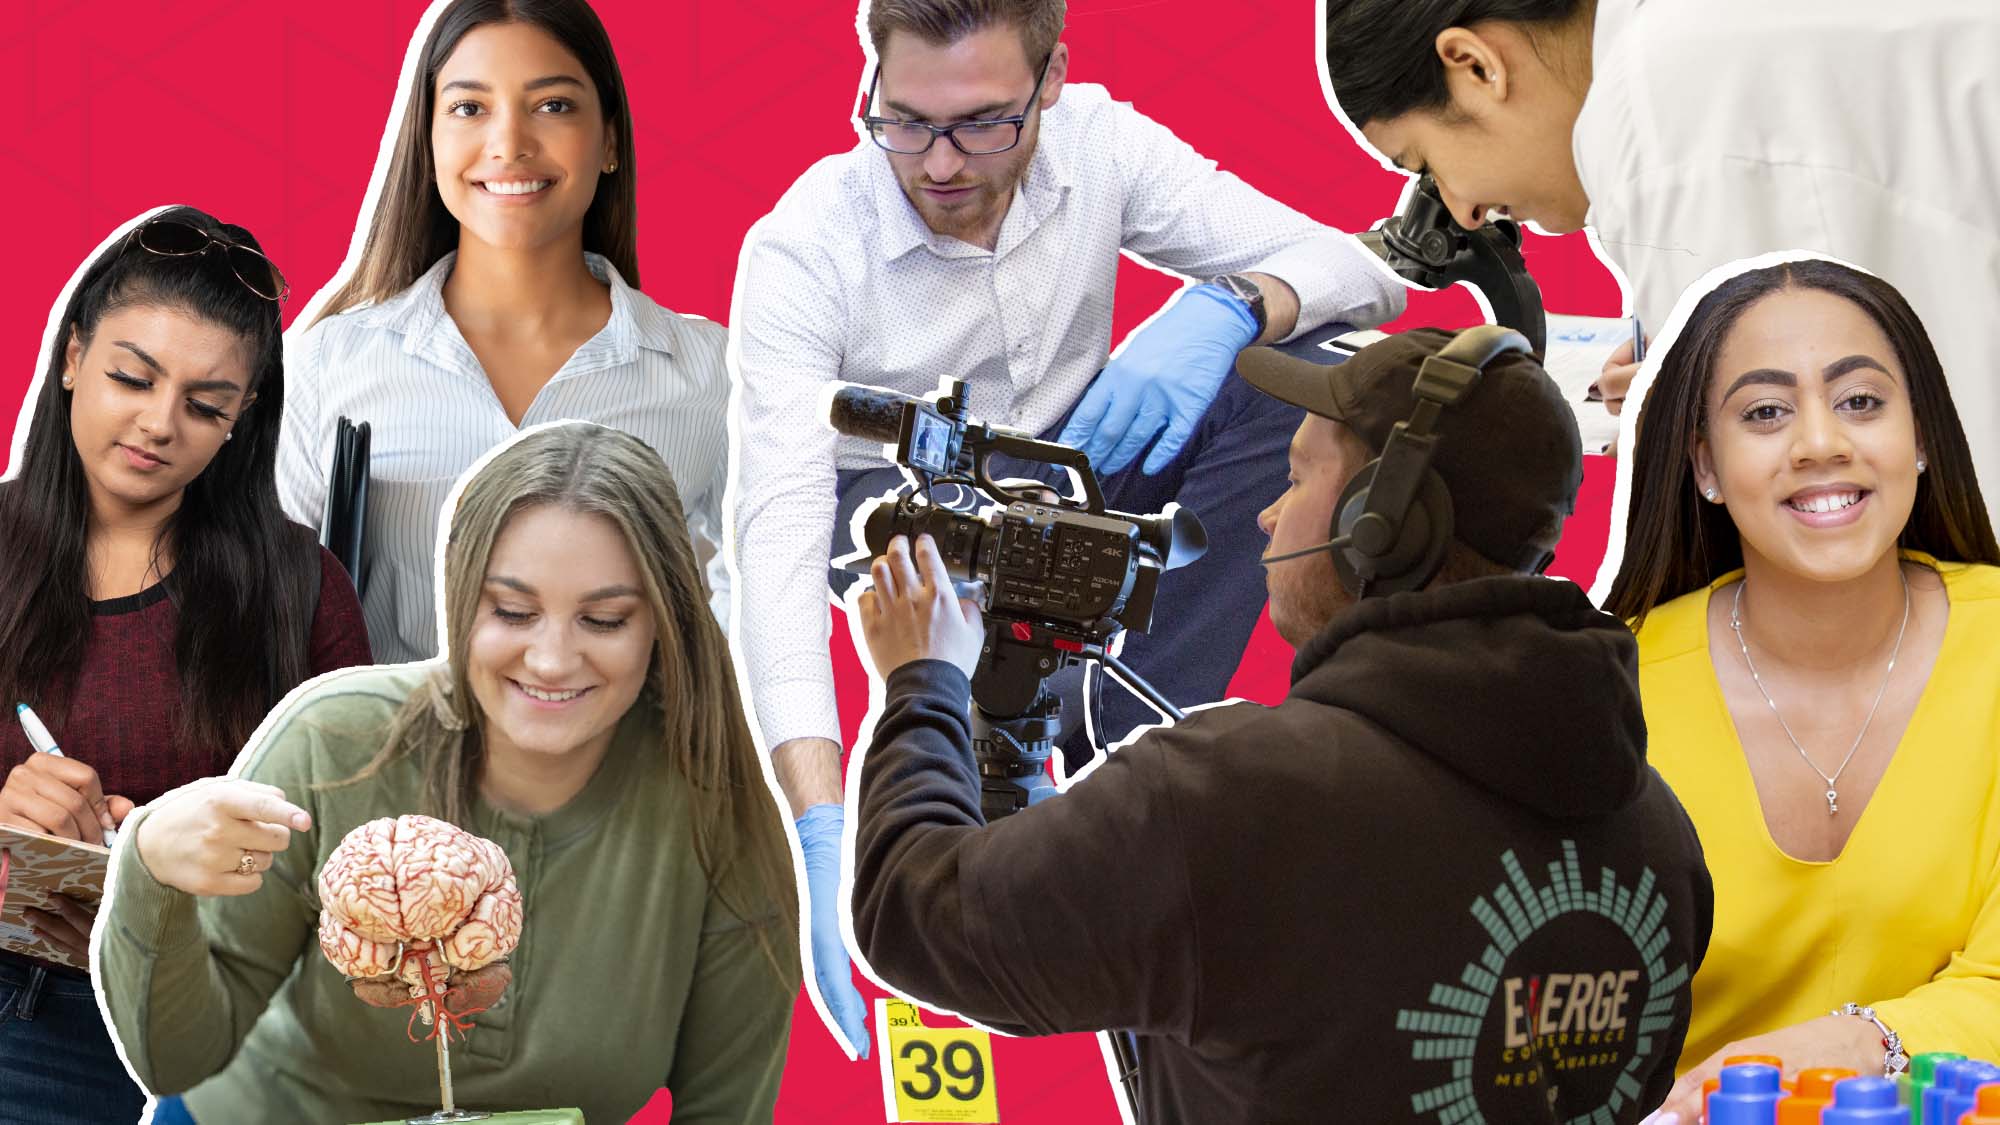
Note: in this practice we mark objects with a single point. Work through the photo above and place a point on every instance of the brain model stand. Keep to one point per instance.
(413, 900)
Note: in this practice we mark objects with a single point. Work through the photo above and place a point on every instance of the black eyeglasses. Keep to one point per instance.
(973, 138)
(173, 238)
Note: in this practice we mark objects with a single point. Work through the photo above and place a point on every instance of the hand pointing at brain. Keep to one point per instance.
(216, 838)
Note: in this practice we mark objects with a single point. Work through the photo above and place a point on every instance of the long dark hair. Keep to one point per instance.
(244, 577)
(737, 835)
(1381, 55)
(1675, 543)
(411, 229)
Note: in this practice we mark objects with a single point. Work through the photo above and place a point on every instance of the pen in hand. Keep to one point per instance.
(1595, 393)
(45, 743)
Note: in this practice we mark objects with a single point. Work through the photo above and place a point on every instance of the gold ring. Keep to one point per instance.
(247, 865)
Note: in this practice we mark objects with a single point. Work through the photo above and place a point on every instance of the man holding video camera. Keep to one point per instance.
(1438, 878)
(975, 233)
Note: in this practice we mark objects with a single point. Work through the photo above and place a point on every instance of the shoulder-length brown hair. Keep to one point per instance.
(411, 229)
(589, 469)
(1675, 543)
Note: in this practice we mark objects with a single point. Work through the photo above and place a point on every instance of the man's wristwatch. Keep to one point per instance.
(1246, 291)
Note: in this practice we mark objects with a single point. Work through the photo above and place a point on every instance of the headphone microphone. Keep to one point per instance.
(1394, 520)
(1330, 545)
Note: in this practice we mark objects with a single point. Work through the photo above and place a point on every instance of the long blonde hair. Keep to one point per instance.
(593, 470)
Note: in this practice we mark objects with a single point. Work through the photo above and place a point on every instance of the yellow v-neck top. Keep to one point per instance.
(1907, 918)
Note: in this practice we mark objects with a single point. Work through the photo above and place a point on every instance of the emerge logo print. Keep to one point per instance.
(1531, 1011)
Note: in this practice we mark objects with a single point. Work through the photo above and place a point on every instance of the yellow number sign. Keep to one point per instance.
(934, 1074)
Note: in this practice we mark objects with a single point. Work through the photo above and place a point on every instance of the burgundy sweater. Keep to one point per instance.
(121, 717)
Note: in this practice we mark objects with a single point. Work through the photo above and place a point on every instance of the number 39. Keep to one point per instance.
(961, 1061)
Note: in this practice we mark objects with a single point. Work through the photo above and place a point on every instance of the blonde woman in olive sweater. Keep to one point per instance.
(584, 718)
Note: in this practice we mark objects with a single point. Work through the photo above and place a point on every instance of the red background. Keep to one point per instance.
(270, 115)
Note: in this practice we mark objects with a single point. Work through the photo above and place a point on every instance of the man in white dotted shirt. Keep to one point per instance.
(974, 232)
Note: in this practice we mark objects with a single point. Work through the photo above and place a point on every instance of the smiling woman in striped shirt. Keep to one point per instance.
(496, 289)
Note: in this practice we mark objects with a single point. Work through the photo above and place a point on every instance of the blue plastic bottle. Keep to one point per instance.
(1865, 1101)
(1748, 1096)
(1944, 1083)
(1965, 1088)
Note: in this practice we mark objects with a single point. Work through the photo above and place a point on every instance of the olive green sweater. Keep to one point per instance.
(630, 974)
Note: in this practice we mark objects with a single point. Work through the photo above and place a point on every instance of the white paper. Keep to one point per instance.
(1577, 349)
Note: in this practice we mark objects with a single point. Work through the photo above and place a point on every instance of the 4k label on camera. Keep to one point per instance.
(933, 1074)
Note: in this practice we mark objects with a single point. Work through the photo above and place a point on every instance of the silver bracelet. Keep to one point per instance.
(1894, 1061)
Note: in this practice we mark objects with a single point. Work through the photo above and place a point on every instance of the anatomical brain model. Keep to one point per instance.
(414, 899)
(415, 884)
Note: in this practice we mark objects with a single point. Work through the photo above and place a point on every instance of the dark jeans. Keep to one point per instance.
(57, 1063)
(1232, 467)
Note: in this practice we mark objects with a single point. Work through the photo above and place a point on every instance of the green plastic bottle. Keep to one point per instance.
(1911, 1084)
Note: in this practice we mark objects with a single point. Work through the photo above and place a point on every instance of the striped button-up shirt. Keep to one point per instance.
(843, 281)
(403, 367)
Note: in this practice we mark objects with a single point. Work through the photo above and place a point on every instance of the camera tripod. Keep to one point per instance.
(1015, 723)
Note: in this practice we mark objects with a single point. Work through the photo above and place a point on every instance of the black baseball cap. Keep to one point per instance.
(1508, 453)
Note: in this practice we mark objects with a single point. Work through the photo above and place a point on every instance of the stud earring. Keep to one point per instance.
(1711, 495)
(611, 167)
(227, 434)
(1921, 463)
(70, 384)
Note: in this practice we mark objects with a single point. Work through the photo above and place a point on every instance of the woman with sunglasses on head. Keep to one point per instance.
(1815, 587)
(155, 602)
(497, 289)
(584, 717)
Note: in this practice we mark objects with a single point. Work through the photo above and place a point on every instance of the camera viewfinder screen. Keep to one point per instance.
(927, 445)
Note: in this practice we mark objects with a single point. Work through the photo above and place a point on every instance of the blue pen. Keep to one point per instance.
(45, 743)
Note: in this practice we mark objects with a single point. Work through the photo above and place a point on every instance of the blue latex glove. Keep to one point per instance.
(1164, 378)
(819, 839)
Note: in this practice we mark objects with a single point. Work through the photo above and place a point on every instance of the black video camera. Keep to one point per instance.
(1064, 567)
(1062, 576)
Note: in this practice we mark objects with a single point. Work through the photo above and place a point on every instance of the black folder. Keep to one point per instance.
(347, 500)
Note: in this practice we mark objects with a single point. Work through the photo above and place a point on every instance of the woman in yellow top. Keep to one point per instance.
(1811, 573)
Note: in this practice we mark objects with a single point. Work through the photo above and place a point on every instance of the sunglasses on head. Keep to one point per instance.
(173, 238)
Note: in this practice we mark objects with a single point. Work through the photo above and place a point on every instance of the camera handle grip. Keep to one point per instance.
(1036, 450)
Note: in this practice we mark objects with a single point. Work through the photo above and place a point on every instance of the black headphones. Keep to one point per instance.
(1394, 521)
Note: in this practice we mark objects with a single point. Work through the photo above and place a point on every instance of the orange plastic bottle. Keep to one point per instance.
(1811, 1094)
(1986, 1111)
